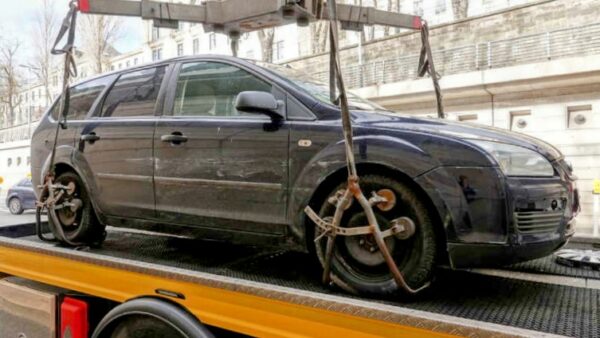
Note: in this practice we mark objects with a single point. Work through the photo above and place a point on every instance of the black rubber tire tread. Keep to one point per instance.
(18, 212)
(421, 263)
(90, 231)
(151, 309)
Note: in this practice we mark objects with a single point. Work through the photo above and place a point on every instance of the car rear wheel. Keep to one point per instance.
(357, 264)
(15, 206)
(79, 222)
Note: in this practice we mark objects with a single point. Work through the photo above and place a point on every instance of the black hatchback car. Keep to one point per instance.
(221, 148)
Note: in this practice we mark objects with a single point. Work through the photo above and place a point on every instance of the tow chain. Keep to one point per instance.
(331, 227)
(51, 192)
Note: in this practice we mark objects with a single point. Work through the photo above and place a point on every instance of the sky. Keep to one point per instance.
(17, 18)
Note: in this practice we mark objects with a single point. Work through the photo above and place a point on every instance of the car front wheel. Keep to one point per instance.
(357, 264)
(15, 206)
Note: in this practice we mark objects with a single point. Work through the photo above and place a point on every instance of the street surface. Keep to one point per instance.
(6, 218)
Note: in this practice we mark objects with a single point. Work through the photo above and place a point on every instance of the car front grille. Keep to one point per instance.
(536, 222)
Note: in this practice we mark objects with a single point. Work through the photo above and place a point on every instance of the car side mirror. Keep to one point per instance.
(258, 103)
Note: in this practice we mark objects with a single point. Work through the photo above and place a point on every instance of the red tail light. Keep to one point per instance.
(84, 5)
(73, 318)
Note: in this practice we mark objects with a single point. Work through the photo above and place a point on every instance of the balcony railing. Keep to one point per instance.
(569, 42)
(17, 133)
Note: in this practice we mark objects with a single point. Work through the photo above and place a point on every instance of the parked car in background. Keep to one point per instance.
(21, 197)
(222, 148)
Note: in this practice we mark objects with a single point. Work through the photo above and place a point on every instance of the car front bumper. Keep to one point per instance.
(463, 255)
(498, 220)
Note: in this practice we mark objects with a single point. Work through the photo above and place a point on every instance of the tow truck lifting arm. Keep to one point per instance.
(235, 17)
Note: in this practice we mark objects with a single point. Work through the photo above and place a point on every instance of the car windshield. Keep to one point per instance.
(315, 88)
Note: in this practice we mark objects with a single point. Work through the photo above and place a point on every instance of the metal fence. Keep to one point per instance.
(17, 133)
(577, 41)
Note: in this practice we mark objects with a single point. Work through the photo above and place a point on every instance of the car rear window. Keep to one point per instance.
(82, 98)
(134, 94)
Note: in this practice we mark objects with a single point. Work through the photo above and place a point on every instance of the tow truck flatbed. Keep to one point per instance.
(275, 293)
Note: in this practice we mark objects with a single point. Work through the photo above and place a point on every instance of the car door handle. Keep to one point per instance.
(174, 138)
(91, 137)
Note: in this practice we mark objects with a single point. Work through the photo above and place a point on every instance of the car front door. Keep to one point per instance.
(217, 167)
(116, 143)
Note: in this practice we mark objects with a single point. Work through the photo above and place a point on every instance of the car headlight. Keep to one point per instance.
(517, 161)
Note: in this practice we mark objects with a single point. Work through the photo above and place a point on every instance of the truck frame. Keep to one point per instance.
(112, 291)
(254, 295)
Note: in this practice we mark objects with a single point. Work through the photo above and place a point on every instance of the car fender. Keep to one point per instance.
(394, 153)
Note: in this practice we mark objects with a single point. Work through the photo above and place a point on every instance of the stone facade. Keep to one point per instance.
(531, 18)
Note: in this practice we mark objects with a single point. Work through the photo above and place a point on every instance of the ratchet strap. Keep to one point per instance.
(352, 190)
(426, 66)
(50, 190)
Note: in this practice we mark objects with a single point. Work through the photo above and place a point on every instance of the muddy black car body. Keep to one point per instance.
(163, 147)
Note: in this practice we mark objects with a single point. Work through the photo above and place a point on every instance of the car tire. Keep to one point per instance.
(81, 227)
(354, 265)
(15, 206)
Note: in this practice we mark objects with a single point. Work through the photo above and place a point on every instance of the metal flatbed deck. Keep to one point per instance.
(235, 287)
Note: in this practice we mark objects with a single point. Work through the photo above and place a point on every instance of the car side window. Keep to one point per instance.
(82, 97)
(211, 88)
(134, 94)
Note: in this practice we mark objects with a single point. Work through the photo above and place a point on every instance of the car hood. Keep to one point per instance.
(458, 130)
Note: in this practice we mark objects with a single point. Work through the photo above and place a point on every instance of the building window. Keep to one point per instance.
(155, 33)
(212, 41)
(440, 7)
(278, 50)
(179, 49)
(467, 117)
(128, 64)
(418, 7)
(9, 162)
(33, 96)
(488, 4)
(156, 54)
(135, 61)
(520, 120)
(55, 80)
(579, 116)
(112, 67)
(18, 161)
(196, 46)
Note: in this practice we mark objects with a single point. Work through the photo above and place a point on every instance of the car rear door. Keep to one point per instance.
(29, 199)
(116, 143)
(217, 167)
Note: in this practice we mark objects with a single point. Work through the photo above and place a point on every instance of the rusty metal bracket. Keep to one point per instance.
(399, 227)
